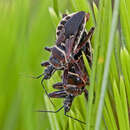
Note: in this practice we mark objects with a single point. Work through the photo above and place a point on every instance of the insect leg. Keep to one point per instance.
(43, 85)
(51, 111)
(79, 71)
(58, 94)
(39, 76)
(86, 93)
(90, 33)
(46, 63)
(74, 118)
(46, 90)
(48, 49)
(58, 85)
(89, 36)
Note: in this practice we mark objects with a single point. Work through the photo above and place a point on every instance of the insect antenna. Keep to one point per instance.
(39, 76)
(51, 111)
(75, 119)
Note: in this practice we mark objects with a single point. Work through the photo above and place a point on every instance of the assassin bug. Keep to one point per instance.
(75, 78)
(68, 36)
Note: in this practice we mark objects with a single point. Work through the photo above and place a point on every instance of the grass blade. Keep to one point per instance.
(106, 71)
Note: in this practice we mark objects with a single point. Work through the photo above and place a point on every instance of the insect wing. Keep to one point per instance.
(73, 24)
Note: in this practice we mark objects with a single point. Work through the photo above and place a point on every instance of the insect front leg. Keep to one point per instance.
(47, 74)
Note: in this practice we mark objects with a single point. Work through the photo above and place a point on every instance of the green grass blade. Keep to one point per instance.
(124, 18)
(54, 17)
(119, 108)
(26, 28)
(125, 60)
(96, 12)
(106, 71)
(109, 113)
(98, 58)
(123, 98)
(55, 6)
(87, 64)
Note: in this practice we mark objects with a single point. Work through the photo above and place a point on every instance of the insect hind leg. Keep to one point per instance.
(51, 111)
(74, 118)
(86, 39)
(58, 85)
(58, 94)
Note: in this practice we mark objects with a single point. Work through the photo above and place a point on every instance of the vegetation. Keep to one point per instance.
(27, 26)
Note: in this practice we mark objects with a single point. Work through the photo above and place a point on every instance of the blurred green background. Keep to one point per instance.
(26, 27)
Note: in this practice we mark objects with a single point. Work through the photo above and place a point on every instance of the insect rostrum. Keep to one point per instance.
(66, 55)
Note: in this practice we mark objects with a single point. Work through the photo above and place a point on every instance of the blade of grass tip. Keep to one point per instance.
(124, 19)
(73, 5)
(109, 113)
(106, 71)
(119, 107)
(95, 11)
(55, 6)
(54, 17)
(124, 102)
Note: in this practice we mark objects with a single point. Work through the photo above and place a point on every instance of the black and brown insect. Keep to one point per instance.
(68, 43)
(74, 79)
(71, 39)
